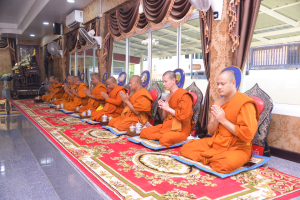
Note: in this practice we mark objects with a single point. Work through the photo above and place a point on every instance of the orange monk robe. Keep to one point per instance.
(225, 152)
(176, 128)
(66, 97)
(113, 105)
(141, 101)
(92, 103)
(72, 105)
(58, 92)
(45, 96)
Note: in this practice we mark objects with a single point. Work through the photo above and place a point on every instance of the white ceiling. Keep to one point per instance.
(20, 18)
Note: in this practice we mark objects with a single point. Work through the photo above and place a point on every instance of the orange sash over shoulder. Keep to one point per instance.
(141, 101)
(113, 105)
(92, 103)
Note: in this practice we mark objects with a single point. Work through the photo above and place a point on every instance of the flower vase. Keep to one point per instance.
(17, 71)
(28, 67)
(5, 85)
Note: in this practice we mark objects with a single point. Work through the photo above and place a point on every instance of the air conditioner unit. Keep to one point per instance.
(73, 18)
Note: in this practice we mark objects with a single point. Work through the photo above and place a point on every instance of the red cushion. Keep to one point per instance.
(108, 90)
(260, 103)
(153, 94)
(195, 97)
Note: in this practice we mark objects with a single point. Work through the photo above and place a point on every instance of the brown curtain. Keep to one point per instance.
(128, 18)
(205, 29)
(156, 10)
(107, 47)
(246, 13)
(71, 39)
(113, 25)
(180, 13)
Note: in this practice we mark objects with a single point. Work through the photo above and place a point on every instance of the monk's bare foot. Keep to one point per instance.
(148, 124)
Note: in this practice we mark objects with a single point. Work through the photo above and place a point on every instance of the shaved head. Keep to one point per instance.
(76, 78)
(137, 79)
(135, 83)
(71, 77)
(111, 82)
(112, 79)
(95, 79)
(169, 74)
(226, 84)
(229, 74)
(57, 79)
(96, 76)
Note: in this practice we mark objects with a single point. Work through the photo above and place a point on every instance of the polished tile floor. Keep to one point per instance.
(31, 168)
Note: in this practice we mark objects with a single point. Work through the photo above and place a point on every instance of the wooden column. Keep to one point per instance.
(221, 53)
(101, 67)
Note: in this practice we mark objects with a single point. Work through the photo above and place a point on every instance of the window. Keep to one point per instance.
(86, 62)
(138, 54)
(119, 58)
(72, 64)
(191, 54)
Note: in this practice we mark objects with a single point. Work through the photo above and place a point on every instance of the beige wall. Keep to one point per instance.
(284, 132)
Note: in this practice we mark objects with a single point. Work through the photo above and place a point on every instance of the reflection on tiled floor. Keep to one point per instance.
(31, 168)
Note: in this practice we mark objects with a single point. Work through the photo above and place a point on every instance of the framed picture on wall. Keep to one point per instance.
(117, 70)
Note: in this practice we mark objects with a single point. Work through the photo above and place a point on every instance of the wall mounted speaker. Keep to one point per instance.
(56, 29)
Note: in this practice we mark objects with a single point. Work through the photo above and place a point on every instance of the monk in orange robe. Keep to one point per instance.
(95, 97)
(113, 102)
(138, 106)
(68, 96)
(80, 97)
(177, 111)
(233, 124)
(58, 90)
(50, 87)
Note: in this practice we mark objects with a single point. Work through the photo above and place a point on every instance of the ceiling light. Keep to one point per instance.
(46, 23)
(32, 35)
(282, 38)
(71, 1)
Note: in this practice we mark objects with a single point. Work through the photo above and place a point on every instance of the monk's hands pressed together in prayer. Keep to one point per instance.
(87, 92)
(163, 105)
(125, 97)
(105, 95)
(218, 113)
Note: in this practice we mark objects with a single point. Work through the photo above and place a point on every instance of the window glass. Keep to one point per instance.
(163, 53)
(138, 52)
(191, 55)
(72, 64)
(119, 57)
(80, 63)
(89, 67)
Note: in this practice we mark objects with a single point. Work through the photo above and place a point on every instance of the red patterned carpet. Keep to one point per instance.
(125, 170)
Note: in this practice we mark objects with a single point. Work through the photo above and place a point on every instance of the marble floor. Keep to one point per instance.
(32, 168)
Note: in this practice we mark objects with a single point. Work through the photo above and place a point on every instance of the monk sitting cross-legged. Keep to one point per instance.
(58, 90)
(80, 97)
(68, 95)
(95, 97)
(177, 111)
(113, 102)
(138, 106)
(50, 87)
(233, 123)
